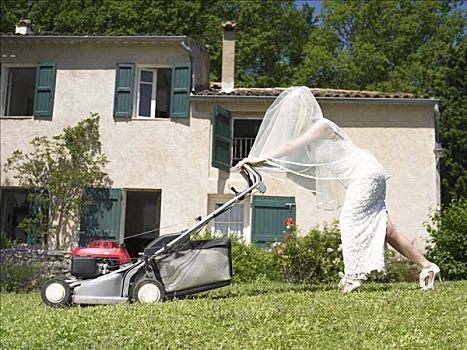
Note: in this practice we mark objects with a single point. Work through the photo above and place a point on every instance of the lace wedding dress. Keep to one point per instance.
(295, 137)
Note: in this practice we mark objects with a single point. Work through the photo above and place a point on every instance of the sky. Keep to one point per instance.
(313, 3)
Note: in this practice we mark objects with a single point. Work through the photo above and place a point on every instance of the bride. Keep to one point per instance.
(294, 137)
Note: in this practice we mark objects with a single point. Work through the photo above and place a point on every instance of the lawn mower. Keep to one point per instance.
(171, 265)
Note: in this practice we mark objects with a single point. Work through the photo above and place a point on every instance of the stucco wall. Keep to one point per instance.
(175, 156)
(143, 154)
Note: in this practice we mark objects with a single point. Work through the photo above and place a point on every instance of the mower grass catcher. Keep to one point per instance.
(172, 265)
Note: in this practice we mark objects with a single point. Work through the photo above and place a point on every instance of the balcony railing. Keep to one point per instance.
(241, 148)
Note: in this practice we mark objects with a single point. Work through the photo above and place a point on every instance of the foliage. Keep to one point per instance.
(22, 269)
(448, 246)
(270, 38)
(249, 316)
(5, 242)
(450, 87)
(252, 263)
(56, 172)
(314, 257)
(389, 45)
(398, 269)
(270, 33)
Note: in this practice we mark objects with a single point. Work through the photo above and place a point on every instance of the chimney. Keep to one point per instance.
(228, 56)
(23, 27)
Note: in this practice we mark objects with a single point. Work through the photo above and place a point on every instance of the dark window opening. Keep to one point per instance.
(143, 209)
(14, 208)
(20, 91)
(244, 134)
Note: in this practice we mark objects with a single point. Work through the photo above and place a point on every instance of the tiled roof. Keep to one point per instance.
(215, 90)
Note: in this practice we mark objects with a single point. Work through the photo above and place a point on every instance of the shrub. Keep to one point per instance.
(448, 244)
(22, 269)
(398, 269)
(314, 257)
(5, 242)
(252, 263)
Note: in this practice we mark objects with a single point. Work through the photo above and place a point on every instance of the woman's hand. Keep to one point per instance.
(251, 161)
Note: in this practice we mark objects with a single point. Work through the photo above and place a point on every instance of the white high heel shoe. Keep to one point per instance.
(354, 283)
(425, 281)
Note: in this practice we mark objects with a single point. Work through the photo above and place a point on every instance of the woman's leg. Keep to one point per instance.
(400, 243)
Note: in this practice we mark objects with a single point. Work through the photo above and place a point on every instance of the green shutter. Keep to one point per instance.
(180, 91)
(221, 138)
(124, 85)
(269, 214)
(100, 216)
(44, 89)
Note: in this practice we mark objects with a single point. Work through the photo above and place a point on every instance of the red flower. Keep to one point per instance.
(289, 221)
(280, 252)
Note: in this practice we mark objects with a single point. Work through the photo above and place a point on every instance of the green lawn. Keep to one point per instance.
(253, 316)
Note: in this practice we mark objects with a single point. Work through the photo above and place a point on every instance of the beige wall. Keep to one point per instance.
(175, 156)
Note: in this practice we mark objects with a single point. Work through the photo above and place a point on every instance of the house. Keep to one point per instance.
(171, 138)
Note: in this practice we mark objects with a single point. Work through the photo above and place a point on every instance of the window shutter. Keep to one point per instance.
(100, 217)
(124, 85)
(44, 89)
(180, 93)
(221, 138)
(269, 214)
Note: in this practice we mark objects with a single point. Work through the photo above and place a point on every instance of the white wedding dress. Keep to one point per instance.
(295, 137)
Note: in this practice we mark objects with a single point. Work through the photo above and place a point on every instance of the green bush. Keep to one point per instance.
(398, 269)
(448, 244)
(252, 263)
(5, 242)
(314, 257)
(22, 269)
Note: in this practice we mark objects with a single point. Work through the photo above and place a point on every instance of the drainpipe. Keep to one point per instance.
(192, 62)
(439, 153)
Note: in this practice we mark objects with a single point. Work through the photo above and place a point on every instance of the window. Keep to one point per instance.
(28, 91)
(20, 91)
(244, 134)
(160, 92)
(14, 208)
(230, 222)
(154, 88)
(228, 147)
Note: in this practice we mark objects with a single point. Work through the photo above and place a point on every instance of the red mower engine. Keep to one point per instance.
(98, 258)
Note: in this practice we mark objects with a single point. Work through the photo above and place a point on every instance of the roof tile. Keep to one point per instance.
(215, 89)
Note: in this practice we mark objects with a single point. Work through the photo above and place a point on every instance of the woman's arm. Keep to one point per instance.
(316, 132)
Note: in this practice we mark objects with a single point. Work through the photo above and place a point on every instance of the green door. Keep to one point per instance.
(269, 214)
(100, 219)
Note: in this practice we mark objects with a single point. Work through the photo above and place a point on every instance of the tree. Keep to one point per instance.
(451, 89)
(56, 172)
(271, 33)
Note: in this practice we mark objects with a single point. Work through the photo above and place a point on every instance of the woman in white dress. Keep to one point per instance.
(295, 138)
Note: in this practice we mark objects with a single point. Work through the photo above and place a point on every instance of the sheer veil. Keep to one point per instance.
(295, 138)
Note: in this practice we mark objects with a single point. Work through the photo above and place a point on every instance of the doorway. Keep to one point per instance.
(143, 211)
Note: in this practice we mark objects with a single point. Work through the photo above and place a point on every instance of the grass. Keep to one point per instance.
(250, 316)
